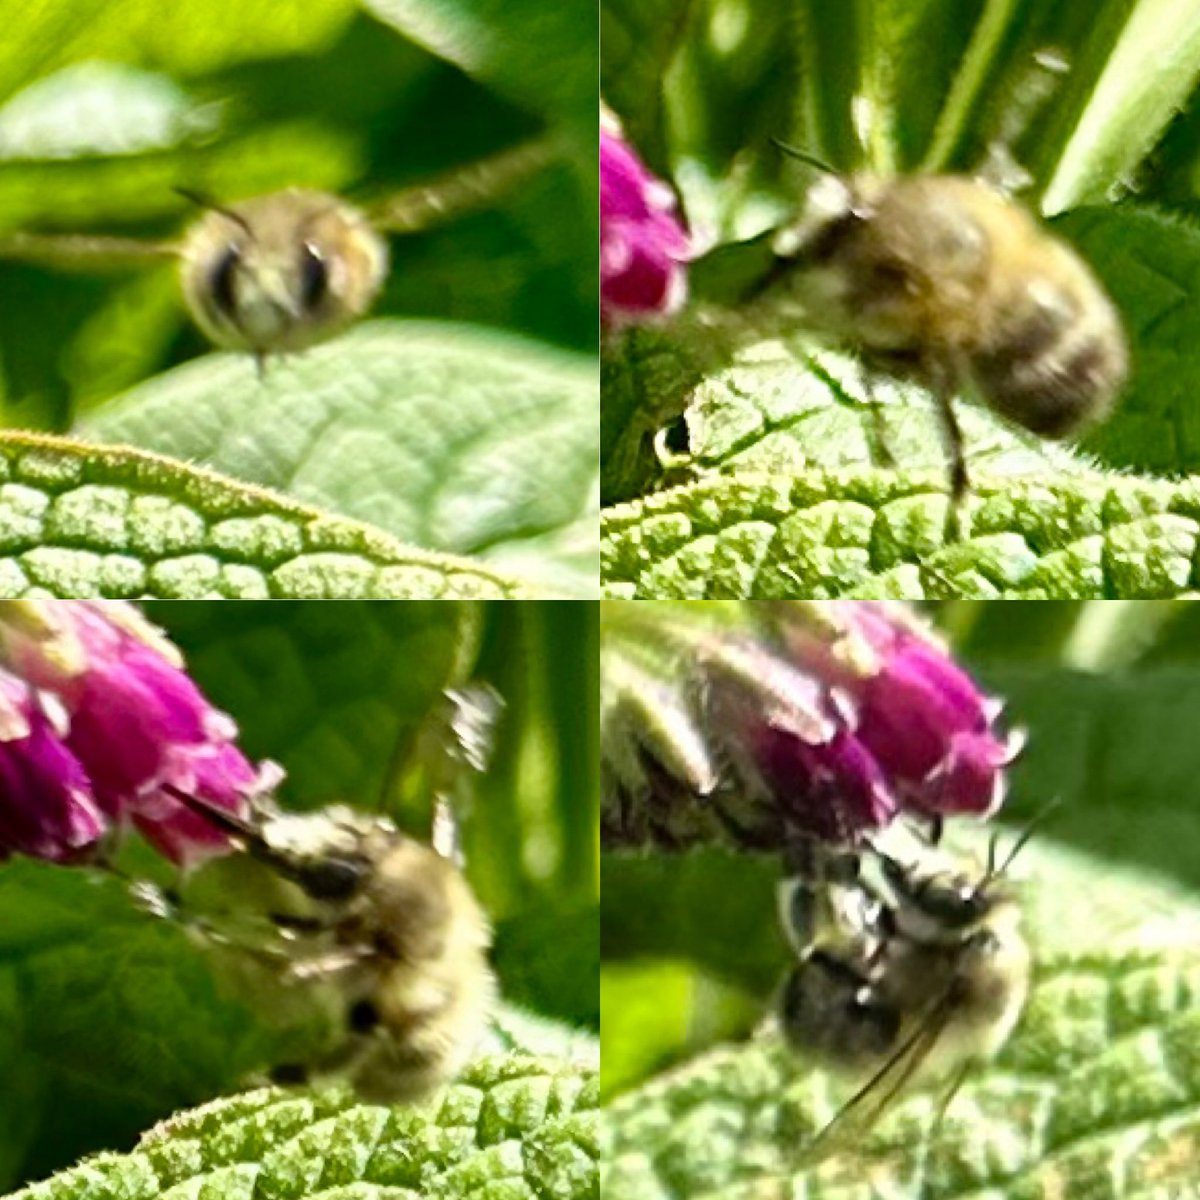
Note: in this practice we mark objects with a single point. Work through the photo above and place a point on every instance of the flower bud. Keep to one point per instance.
(643, 247)
(813, 720)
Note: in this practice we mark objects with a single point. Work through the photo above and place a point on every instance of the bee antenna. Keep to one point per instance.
(994, 872)
(207, 202)
(803, 156)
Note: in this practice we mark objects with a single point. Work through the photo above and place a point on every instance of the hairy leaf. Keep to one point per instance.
(870, 533)
(516, 1127)
(80, 520)
(450, 437)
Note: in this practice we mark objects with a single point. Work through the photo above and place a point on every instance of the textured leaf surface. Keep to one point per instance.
(77, 520)
(446, 436)
(869, 533)
(1095, 1096)
(1150, 264)
(514, 1128)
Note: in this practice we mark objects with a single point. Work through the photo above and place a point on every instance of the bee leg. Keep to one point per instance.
(323, 966)
(956, 450)
(879, 432)
(960, 1077)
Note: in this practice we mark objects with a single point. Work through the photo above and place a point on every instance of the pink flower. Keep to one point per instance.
(829, 721)
(922, 717)
(47, 808)
(643, 246)
(134, 721)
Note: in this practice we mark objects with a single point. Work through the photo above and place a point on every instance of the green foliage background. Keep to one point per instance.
(480, 366)
(113, 1020)
(787, 491)
(1095, 1096)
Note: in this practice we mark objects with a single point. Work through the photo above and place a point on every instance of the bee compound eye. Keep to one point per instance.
(222, 277)
(332, 878)
(314, 276)
(362, 1017)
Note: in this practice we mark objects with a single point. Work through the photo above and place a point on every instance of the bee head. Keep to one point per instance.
(323, 854)
(280, 272)
(947, 899)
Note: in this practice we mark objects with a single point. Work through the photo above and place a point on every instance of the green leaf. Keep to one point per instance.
(1099, 1072)
(79, 520)
(183, 40)
(550, 960)
(80, 959)
(1129, 106)
(544, 57)
(517, 1128)
(1149, 261)
(639, 42)
(334, 692)
(872, 533)
(451, 437)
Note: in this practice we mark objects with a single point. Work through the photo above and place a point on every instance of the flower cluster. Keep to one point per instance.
(829, 721)
(643, 247)
(97, 720)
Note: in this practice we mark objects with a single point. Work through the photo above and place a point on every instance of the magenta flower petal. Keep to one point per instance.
(46, 805)
(832, 720)
(930, 727)
(135, 722)
(218, 773)
(927, 723)
(643, 247)
(835, 791)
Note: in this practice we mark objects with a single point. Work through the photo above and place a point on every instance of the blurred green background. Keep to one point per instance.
(110, 1020)
(105, 109)
(1109, 693)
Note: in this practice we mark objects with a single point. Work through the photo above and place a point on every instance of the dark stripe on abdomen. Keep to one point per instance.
(1052, 392)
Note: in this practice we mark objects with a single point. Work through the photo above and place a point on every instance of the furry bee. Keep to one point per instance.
(390, 925)
(281, 272)
(928, 978)
(947, 279)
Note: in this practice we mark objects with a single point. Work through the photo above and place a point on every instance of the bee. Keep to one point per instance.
(948, 280)
(928, 978)
(281, 272)
(390, 925)
(372, 929)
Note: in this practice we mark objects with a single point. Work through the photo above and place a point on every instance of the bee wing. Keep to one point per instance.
(463, 190)
(84, 252)
(862, 1111)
